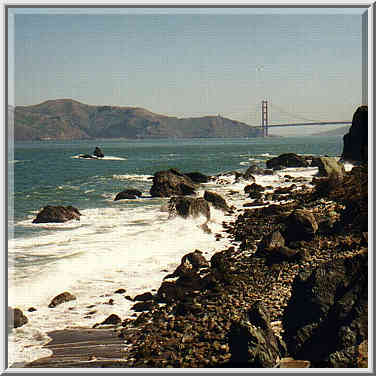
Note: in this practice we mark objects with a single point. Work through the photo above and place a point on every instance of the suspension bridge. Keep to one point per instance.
(289, 119)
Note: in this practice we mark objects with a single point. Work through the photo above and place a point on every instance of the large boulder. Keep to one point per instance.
(61, 298)
(98, 152)
(300, 225)
(327, 314)
(197, 177)
(329, 167)
(171, 182)
(216, 200)
(355, 143)
(128, 194)
(16, 318)
(252, 341)
(287, 160)
(57, 214)
(189, 207)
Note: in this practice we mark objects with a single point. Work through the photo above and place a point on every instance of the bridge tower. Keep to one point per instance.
(264, 118)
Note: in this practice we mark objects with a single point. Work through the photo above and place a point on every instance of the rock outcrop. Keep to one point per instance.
(327, 314)
(57, 214)
(287, 160)
(171, 182)
(300, 225)
(355, 143)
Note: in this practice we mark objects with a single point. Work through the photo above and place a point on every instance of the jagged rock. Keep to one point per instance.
(61, 298)
(128, 194)
(355, 143)
(256, 170)
(252, 341)
(16, 318)
(300, 225)
(328, 310)
(198, 177)
(189, 206)
(329, 167)
(217, 200)
(171, 182)
(57, 214)
(98, 152)
(272, 241)
(287, 160)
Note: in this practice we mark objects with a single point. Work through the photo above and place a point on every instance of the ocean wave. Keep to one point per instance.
(106, 158)
(133, 177)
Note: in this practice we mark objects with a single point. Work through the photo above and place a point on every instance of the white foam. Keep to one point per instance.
(132, 177)
(105, 158)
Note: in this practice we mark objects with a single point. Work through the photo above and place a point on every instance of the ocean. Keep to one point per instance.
(128, 244)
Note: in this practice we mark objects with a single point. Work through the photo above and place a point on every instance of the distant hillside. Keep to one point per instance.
(335, 132)
(66, 119)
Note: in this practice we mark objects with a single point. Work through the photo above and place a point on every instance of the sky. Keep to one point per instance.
(192, 62)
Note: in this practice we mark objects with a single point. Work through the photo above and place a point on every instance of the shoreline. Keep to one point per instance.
(151, 337)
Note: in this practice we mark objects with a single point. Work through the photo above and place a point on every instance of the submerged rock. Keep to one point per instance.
(57, 214)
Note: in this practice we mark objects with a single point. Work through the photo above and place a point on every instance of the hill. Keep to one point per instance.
(67, 119)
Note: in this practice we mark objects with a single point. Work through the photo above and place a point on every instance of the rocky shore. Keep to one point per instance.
(291, 291)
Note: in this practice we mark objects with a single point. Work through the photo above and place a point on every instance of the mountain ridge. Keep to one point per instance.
(68, 119)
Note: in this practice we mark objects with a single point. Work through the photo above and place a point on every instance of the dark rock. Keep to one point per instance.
(16, 318)
(110, 320)
(143, 297)
(128, 194)
(171, 182)
(253, 170)
(300, 225)
(98, 152)
(252, 341)
(253, 188)
(272, 240)
(197, 177)
(57, 214)
(196, 259)
(328, 311)
(61, 298)
(287, 160)
(355, 143)
(329, 167)
(143, 306)
(31, 309)
(189, 206)
(217, 200)
(119, 291)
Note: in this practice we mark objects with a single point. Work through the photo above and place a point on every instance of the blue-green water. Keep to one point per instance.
(46, 173)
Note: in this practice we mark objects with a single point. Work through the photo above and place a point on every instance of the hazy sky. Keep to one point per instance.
(192, 62)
